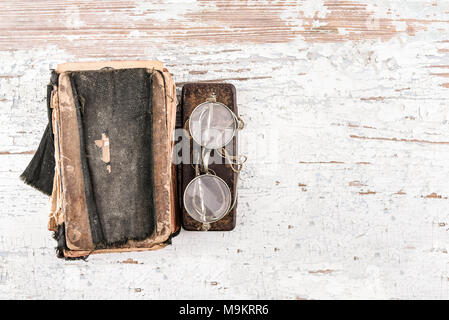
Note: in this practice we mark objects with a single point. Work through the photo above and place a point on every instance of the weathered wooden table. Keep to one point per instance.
(345, 194)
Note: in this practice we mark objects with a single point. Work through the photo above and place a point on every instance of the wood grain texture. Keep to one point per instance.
(345, 192)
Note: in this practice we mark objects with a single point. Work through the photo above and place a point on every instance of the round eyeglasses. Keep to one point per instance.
(212, 125)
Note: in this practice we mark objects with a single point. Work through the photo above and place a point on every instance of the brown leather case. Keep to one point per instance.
(194, 94)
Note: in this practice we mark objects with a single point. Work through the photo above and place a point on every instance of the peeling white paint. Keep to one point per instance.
(73, 20)
(312, 9)
(344, 195)
(165, 10)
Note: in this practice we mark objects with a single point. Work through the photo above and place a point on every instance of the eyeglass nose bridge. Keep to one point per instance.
(205, 155)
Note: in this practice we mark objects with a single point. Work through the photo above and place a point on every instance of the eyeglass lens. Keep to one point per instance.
(207, 198)
(212, 125)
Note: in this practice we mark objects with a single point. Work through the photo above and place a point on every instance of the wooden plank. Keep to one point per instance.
(113, 28)
(344, 194)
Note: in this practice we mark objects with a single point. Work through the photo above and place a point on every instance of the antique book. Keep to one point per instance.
(109, 144)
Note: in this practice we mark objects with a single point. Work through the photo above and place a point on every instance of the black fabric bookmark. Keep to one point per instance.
(40, 171)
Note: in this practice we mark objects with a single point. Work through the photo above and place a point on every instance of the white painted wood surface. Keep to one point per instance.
(345, 194)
